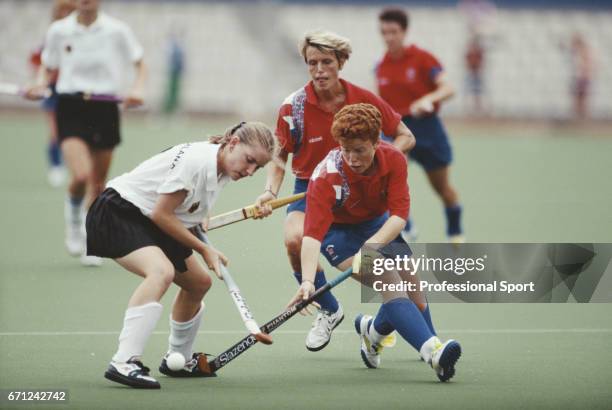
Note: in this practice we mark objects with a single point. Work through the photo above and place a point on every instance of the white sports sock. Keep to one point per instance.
(374, 336)
(138, 325)
(183, 334)
(428, 347)
(73, 213)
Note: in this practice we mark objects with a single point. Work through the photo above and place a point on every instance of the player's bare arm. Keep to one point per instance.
(38, 90)
(163, 215)
(310, 259)
(443, 91)
(274, 181)
(390, 229)
(135, 96)
(404, 139)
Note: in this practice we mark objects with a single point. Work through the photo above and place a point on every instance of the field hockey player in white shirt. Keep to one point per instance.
(142, 221)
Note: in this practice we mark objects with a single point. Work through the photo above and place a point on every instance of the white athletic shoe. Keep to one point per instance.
(75, 241)
(322, 328)
(56, 176)
(75, 234)
(456, 239)
(444, 357)
(90, 260)
(132, 373)
(370, 351)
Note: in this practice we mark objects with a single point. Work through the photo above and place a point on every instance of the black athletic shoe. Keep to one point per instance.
(191, 368)
(132, 373)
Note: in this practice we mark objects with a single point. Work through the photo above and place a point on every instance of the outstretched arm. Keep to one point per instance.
(443, 91)
(274, 181)
(310, 260)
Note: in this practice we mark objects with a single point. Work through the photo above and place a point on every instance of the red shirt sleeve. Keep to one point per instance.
(35, 58)
(398, 191)
(390, 118)
(320, 201)
(283, 133)
(432, 65)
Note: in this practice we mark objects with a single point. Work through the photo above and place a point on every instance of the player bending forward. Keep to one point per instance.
(358, 195)
(141, 221)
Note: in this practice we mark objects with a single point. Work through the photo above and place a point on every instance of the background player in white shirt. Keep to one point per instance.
(142, 221)
(92, 52)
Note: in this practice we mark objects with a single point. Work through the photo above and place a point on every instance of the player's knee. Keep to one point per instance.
(201, 286)
(293, 243)
(163, 275)
(81, 177)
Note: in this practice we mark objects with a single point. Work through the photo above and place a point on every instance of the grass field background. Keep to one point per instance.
(59, 322)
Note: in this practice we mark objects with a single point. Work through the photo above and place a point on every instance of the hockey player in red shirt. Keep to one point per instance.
(358, 196)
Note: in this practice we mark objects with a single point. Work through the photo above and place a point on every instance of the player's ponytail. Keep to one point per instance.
(250, 133)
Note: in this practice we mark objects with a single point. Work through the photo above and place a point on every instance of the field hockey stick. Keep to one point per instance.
(94, 97)
(238, 215)
(214, 364)
(239, 301)
(17, 91)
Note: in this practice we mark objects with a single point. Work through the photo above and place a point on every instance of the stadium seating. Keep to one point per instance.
(243, 57)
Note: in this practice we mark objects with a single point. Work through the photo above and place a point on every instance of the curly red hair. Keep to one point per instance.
(362, 121)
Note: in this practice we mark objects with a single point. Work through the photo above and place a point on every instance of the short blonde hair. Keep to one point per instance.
(326, 41)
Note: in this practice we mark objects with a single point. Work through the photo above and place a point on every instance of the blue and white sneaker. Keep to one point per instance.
(444, 357)
(370, 351)
(322, 328)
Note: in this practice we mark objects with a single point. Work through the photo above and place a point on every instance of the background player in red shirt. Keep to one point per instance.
(358, 196)
(303, 129)
(414, 83)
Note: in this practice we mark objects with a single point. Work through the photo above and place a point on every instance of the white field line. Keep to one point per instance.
(302, 332)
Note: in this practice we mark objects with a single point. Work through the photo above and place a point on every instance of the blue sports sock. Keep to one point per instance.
(54, 154)
(326, 300)
(381, 323)
(406, 318)
(453, 220)
(427, 316)
(383, 327)
(76, 201)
